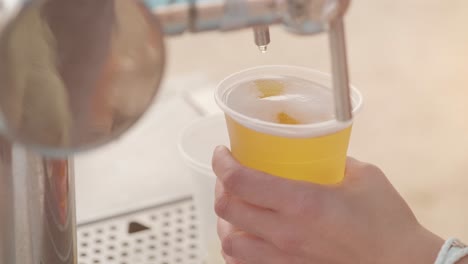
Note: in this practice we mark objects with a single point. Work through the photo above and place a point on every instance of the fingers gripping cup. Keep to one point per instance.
(281, 120)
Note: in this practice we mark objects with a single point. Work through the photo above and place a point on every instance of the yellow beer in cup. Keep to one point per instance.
(281, 120)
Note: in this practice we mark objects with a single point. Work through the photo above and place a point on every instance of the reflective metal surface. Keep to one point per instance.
(77, 74)
(302, 17)
(341, 91)
(262, 37)
(37, 212)
(7, 228)
(307, 17)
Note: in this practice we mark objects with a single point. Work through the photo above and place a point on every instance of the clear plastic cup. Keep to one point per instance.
(196, 146)
(313, 152)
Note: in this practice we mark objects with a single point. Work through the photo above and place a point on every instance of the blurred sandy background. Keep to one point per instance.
(410, 60)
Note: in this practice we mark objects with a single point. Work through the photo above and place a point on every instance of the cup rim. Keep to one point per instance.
(314, 129)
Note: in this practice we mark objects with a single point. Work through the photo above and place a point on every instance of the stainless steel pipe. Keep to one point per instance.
(37, 208)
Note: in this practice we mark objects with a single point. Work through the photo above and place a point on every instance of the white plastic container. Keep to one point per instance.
(196, 145)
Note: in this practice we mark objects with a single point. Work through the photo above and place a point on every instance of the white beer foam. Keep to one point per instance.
(305, 101)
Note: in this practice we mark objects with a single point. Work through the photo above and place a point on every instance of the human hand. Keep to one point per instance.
(271, 220)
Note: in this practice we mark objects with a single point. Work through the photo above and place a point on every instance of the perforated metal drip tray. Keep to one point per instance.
(163, 234)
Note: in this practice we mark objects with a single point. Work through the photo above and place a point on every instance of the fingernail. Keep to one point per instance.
(219, 149)
(216, 155)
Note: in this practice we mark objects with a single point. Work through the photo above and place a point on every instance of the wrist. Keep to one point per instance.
(417, 247)
(428, 248)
